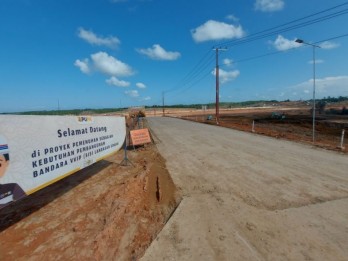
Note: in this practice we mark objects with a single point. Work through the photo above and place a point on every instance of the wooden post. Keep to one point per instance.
(342, 140)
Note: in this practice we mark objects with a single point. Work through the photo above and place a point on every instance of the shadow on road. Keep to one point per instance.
(23, 208)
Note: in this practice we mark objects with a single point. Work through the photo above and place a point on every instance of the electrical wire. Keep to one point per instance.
(196, 70)
(290, 49)
(254, 58)
(193, 84)
(288, 29)
(189, 80)
(272, 31)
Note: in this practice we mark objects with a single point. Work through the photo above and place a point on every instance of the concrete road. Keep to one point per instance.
(249, 197)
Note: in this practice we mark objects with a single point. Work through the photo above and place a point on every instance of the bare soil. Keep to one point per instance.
(295, 126)
(250, 197)
(104, 212)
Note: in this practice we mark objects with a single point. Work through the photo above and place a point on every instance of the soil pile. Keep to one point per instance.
(104, 212)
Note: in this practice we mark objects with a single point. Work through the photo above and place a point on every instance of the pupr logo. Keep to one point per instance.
(84, 119)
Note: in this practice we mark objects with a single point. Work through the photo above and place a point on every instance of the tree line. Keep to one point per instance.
(321, 103)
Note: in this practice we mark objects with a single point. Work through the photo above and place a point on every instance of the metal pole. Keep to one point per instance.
(217, 86)
(125, 151)
(125, 160)
(313, 46)
(163, 103)
(253, 127)
(313, 93)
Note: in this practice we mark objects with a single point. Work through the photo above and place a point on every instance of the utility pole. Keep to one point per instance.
(217, 49)
(163, 114)
(58, 105)
(313, 46)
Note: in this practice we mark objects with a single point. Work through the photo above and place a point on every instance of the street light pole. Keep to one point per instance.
(163, 114)
(217, 86)
(313, 47)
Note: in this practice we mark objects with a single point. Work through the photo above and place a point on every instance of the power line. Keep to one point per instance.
(196, 70)
(290, 49)
(189, 83)
(303, 18)
(272, 31)
(192, 84)
(289, 28)
(202, 68)
(254, 58)
(205, 62)
(332, 38)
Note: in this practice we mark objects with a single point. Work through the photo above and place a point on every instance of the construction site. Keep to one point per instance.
(291, 121)
(174, 130)
(203, 200)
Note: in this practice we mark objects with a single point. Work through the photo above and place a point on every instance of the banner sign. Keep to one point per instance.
(140, 136)
(36, 151)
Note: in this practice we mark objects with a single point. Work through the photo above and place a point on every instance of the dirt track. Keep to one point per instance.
(250, 197)
(295, 124)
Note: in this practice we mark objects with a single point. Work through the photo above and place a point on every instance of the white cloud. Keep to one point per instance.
(158, 53)
(329, 45)
(283, 44)
(92, 38)
(269, 5)
(329, 86)
(317, 61)
(147, 98)
(132, 93)
(213, 30)
(232, 18)
(226, 76)
(227, 62)
(109, 65)
(83, 65)
(140, 85)
(116, 82)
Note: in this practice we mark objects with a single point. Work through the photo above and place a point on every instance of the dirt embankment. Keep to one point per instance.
(105, 212)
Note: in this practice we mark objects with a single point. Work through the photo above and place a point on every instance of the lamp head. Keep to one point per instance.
(299, 41)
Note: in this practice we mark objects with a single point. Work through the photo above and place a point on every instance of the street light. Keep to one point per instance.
(314, 46)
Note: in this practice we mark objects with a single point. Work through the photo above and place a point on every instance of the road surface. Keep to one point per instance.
(250, 197)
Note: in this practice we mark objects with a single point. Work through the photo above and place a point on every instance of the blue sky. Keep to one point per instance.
(120, 53)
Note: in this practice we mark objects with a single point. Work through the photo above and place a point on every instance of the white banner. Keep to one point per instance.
(36, 151)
